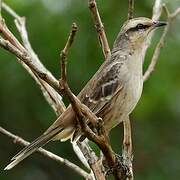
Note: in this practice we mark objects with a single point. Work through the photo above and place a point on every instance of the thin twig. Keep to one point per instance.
(79, 151)
(10, 11)
(159, 46)
(52, 97)
(82, 113)
(157, 8)
(107, 53)
(98, 23)
(176, 12)
(47, 86)
(93, 161)
(24, 56)
(77, 106)
(127, 147)
(130, 9)
(99, 28)
(72, 166)
(85, 149)
(64, 52)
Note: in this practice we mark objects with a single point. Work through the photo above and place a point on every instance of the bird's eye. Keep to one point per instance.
(140, 26)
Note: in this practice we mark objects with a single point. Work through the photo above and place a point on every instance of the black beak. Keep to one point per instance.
(159, 23)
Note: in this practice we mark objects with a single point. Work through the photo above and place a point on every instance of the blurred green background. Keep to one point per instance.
(23, 110)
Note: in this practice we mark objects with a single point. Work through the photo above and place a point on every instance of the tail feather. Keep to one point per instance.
(32, 147)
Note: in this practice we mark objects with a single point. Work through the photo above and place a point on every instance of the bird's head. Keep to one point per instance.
(138, 29)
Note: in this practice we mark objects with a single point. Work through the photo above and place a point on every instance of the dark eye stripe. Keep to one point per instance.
(138, 27)
(141, 26)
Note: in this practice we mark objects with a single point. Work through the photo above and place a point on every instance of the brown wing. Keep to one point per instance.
(103, 88)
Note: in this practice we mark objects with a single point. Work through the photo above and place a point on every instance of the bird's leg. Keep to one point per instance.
(123, 162)
(119, 165)
(127, 156)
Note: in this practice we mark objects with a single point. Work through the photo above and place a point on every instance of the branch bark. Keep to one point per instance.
(76, 104)
(83, 113)
(130, 9)
(99, 28)
(51, 96)
(127, 125)
(127, 153)
(160, 44)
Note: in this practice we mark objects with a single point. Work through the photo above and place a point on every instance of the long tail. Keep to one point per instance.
(36, 144)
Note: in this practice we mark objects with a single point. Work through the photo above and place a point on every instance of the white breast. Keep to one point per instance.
(134, 91)
(131, 92)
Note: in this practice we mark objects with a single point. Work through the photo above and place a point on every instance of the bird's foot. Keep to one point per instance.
(121, 166)
(99, 126)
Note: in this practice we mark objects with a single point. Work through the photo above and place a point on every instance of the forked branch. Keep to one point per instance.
(160, 44)
(127, 124)
(83, 113)
(52, 97)
(74, 101)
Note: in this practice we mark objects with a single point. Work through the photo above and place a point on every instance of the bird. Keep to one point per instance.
(112, 93)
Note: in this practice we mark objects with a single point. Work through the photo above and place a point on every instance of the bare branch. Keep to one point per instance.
(156, 53)
(93, 161)
(10, 11)
(159, 46)
(107, 53)
(64, 52)
(80, 153)
(99, 28)
(82, 113)
(97, 20)
(67, 163)
(76, 104)
(157, 9)
(52, 97)
(127, 147)
(130, 9)
(24, 56)
(176, 12)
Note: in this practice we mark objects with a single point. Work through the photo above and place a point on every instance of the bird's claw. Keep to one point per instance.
(121, 165)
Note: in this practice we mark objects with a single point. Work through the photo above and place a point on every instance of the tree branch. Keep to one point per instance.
(127, 153)
(52, 97)
(99, 28)
(97, 20)
(67, 163)
(48, 84)
(77, 106)
(24, 56)
(157, 9)
(159, 46)
(93, 161)
(83, 113)
(130, 9)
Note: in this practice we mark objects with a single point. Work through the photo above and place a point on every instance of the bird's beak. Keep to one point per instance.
(159, 23)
